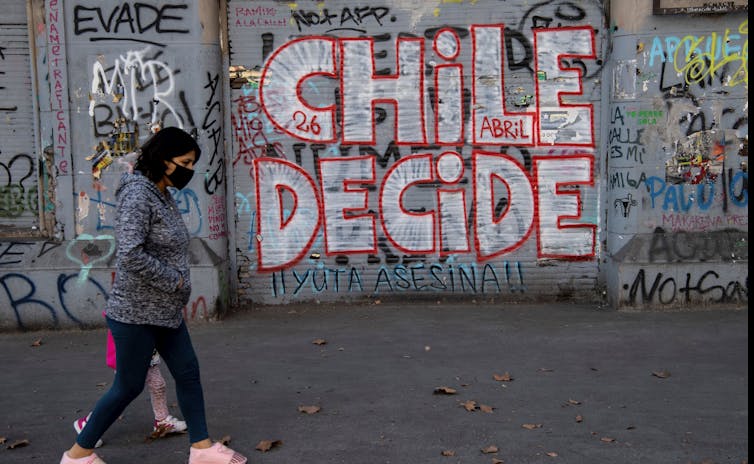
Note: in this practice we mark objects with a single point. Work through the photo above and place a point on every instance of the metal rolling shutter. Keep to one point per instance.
(18, 170)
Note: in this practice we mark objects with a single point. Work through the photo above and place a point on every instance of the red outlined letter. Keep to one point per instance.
(280, 88)
(284, 235)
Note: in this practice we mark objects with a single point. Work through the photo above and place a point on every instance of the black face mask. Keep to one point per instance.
(181, 176)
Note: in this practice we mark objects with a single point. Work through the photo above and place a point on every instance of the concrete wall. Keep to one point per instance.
(397, 150)
(677, 159)
(107, 74)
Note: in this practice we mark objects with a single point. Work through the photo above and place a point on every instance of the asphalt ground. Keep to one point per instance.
(413, 383)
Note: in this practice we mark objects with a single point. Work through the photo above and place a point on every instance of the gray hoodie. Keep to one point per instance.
(152, 255)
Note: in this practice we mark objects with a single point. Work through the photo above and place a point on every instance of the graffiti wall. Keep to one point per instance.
(416, 148)
(677, 159)
(109, 74)
(35, 292)
(487, 150)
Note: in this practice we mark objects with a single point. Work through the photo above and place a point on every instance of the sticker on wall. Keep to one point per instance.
(624, 80)
(698, 159)
(82, 211)
(122, 140)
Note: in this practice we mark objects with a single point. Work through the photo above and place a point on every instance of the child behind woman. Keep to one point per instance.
(164, 422)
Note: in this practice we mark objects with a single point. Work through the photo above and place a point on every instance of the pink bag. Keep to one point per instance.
(110, 350)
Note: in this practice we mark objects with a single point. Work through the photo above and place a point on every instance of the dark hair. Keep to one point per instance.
(164, 145)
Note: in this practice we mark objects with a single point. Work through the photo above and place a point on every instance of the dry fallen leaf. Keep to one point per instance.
(158, 432)
(445, 391)
(309, 409)
(490, 449)
(18, 444)
(607, 439)
(266, 445)
(470, 405)
(497, 461)
(531, 426)
(319, 341)
(574, 402)
(545, 369)
(161, 431)
(37, 342)
(579, 418)
(485, 408)
(503, 378)
(663, 374)
(448, 453)
(2, 440)
(552, 454)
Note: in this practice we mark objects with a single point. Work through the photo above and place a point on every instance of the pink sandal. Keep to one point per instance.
(215, 454)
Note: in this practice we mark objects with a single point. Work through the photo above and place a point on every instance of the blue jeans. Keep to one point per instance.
(134, 345)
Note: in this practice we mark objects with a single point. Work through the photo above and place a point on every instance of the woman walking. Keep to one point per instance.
(152, 285)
